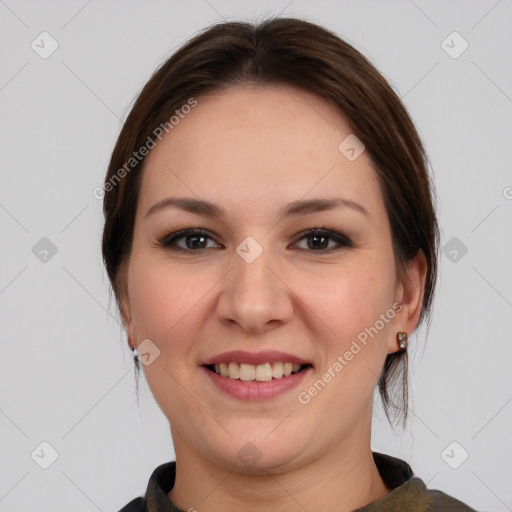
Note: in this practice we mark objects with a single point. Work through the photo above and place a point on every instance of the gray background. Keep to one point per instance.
(66, 372)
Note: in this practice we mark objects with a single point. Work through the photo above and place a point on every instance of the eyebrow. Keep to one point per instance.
(295, 208)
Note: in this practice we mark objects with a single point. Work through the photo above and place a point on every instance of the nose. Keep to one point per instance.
(255, 296)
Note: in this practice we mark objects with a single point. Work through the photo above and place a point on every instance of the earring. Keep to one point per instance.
(134, 350)
(402, 339)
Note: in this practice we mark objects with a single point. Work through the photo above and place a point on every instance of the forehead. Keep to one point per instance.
(259, 144)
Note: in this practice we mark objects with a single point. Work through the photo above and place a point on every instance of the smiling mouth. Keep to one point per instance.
(261, 372)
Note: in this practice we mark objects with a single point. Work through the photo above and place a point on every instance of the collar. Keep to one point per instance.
(396, 474)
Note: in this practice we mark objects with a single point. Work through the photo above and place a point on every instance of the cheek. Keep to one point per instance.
(349, 299)
(162, 301)
(164, 305)
(355, 338)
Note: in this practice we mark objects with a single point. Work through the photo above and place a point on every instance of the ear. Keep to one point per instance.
(409, 293)
(123, 303)
(125, 311)
(126, 317)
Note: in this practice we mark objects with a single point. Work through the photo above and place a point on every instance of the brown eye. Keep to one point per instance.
(318, 240)
(194, 240)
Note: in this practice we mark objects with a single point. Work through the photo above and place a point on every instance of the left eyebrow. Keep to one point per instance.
(296, 208)
(306, 206)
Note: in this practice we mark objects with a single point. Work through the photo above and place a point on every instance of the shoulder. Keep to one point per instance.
(442, 502)
(418, 497)
(408, 492)
(136, 505)
(155, 498)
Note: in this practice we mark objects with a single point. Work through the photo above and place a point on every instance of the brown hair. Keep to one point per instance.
(304, 55)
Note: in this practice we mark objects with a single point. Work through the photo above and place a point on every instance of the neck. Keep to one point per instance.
(344, 479)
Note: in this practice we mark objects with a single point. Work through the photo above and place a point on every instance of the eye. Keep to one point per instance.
(319, 239)
(195, 240)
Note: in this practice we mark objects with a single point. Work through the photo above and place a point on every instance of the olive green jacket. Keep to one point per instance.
(409, 493)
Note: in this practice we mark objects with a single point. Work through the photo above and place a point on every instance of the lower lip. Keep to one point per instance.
(256, 390)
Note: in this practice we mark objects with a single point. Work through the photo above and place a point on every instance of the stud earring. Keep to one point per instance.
(402, 339)
(134, 351)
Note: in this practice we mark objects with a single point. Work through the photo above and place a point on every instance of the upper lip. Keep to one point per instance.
(267, 356)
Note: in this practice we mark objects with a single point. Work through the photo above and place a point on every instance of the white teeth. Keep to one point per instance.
(277, 370)
(234, 371)
(262, 372)
(223, 370)
(247, 372)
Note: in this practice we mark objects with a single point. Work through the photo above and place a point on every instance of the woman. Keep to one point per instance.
(271, 241)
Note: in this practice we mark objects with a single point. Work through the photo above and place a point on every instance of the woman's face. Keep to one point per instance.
(256, 293)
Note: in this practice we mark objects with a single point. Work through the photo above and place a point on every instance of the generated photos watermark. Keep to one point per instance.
(304, 397)
(142, 152)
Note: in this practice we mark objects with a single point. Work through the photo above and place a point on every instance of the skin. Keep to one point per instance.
(252, 150)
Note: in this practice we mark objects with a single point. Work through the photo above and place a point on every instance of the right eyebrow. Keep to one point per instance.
(189, 204)
(295, 208)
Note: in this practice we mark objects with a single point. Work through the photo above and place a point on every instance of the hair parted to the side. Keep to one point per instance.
(300, 54)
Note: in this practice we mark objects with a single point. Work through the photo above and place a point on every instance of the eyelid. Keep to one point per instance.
(336, 236)
(168, 241)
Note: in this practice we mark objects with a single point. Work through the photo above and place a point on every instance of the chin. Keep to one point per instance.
(251, 460)
(261, 453)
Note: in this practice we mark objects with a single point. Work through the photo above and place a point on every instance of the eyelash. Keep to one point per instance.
(168, 241)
